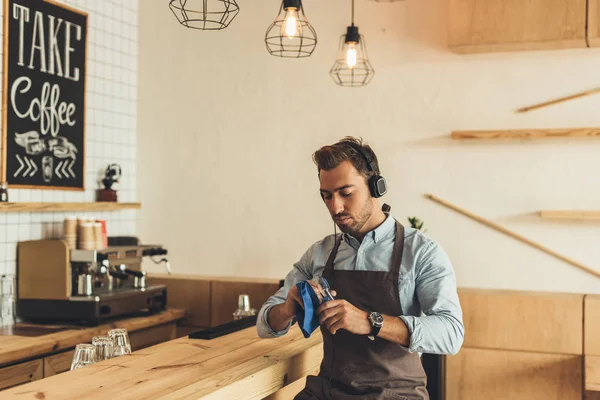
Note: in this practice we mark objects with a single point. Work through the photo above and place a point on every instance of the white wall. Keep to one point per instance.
(111, 108)
(226, 134)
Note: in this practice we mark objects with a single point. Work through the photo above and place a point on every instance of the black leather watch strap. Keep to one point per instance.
(375, 330)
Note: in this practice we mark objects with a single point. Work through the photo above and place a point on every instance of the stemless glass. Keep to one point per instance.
(7, 310)
(85, 354)
(121, 342)
(104, 347)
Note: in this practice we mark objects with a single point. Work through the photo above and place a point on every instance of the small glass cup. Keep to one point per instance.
(85, 354)
(104, 347)
(120, 342)
(7, 310)
(7, 285)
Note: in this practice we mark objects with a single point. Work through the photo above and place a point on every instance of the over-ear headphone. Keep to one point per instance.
(377, 184)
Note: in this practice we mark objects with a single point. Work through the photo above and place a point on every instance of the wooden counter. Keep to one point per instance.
(15, 348)
(239, 365)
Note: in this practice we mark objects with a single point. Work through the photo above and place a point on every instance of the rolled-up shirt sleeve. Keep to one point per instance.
(302, 271)
(440, 330)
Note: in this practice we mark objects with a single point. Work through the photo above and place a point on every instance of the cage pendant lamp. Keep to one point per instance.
(352, 67)
(291, 35)
(207, 15)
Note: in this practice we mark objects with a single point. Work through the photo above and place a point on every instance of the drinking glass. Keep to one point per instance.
(104, 347)
(7, 310)
(85, 354)
(121, 342)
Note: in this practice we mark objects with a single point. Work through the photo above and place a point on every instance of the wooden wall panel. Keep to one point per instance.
(594, 23)
(527, 321)
(210, 300)
(58, 363)
(21, 373)
(476, 26)
(592, 373)
(475, 374)
(224, 297)
(151, 336)
(592, 395)
(189, 293)
(591, 325)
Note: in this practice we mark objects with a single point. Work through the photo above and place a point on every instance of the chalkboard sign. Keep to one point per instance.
(43, 135)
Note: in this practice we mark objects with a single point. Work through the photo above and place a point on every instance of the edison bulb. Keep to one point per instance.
(351, 55)
(291, 26)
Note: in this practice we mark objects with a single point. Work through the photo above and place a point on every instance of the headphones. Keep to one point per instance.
(377, 184)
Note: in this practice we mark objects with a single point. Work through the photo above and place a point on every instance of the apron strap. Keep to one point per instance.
(331, 259)
(398, 251)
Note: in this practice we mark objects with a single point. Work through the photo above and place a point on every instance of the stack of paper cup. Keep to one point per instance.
(70, 232)
(86, 236)
(98, 236)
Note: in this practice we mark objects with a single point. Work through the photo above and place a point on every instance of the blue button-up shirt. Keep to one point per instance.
(427, 285)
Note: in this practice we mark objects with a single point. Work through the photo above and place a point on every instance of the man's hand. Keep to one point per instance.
(339, 314)
(280, 316)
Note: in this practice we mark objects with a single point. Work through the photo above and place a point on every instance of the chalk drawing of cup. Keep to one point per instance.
(47, 168)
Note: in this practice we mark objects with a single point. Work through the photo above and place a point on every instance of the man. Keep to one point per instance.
(395, 289)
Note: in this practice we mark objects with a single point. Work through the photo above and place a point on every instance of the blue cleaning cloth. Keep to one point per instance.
(308, 319)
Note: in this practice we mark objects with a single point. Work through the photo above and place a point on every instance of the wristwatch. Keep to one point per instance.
(376, 320)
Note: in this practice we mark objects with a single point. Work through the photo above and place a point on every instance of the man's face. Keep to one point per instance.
(346, 195)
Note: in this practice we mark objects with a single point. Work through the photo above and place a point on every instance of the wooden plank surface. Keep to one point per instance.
(500, 374)
(239, 365)
(579, 215)
(510, 25)
(15, 348)
(92, 206)
(591, 325)
(21, 373)
(527, 133)
(527, 321)
(592, 373)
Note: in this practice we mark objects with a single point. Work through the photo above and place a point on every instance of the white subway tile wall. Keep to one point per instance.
(110, 129)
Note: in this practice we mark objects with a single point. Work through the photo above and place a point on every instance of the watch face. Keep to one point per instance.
(376, 318)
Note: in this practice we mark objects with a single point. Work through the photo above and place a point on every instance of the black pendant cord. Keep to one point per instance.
(352, 12)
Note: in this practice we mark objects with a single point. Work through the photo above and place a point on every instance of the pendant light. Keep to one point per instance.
(207, 15)
(352, 67)
(291, 35)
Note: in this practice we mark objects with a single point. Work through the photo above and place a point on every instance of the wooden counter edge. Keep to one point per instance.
(35, 347)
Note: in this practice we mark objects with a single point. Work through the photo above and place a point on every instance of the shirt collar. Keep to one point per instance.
(384, 229)
(380, 232)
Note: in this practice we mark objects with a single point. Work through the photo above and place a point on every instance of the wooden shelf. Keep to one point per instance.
(95, 206)
(573, 215)
(528, 134)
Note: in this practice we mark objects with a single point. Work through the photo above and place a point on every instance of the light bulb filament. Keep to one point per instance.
(291, 28)
(351, 55)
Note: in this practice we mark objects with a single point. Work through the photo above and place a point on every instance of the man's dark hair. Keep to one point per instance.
(329, 157)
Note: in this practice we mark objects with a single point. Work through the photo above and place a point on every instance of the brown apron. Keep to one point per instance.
(354, 367)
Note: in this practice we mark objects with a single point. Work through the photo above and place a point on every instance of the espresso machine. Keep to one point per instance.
(56, 283)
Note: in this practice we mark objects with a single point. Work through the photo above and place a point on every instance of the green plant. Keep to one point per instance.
(416, 223)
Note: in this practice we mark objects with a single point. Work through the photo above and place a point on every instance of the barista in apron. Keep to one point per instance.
(370, 290)
(354, 367)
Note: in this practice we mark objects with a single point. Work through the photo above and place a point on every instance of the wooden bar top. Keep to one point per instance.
(239, 365)
(14, 347)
